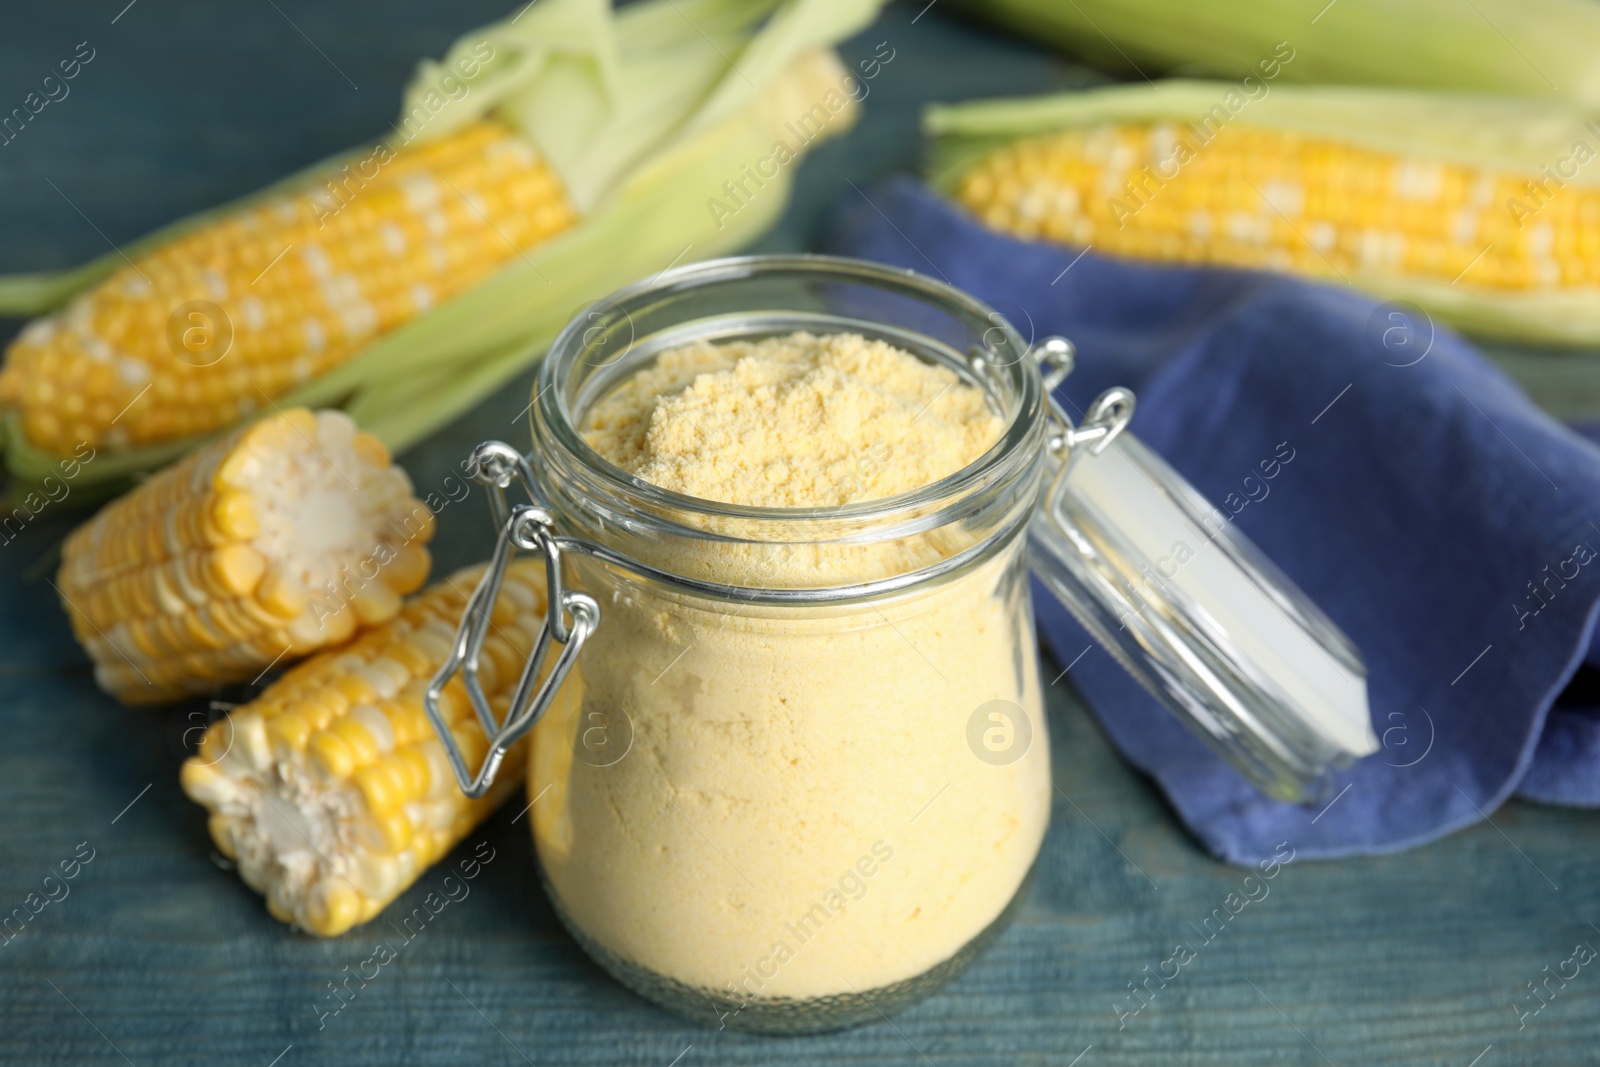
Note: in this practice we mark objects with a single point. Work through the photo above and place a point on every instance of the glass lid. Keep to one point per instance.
(1194, 611)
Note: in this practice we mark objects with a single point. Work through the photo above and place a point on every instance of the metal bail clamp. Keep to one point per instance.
(528, 528)
(1107, 416)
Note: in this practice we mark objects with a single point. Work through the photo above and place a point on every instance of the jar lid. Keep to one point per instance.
(1188, 606)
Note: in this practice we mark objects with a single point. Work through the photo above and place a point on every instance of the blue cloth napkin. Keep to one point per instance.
(1450, 527)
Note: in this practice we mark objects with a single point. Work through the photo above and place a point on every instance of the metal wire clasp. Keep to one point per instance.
(1107, 417)
(570, 617)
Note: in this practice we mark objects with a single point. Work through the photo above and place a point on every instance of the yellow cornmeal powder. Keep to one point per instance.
(794, 802)
(792, 422)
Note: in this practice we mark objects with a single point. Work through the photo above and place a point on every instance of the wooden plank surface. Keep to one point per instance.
(159, 956)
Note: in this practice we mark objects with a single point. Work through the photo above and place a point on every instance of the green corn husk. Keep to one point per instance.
(644, 113)
(1541, 48)
(1514, 134)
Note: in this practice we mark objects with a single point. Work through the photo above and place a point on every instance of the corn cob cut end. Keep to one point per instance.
(330, 791)
(280, 539)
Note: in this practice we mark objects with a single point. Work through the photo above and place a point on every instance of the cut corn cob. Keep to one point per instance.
(543, 162)
(281, 538)
(1462, 217)
(218, 323)
(331, 791)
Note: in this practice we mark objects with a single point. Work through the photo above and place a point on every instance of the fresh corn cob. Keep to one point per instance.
(1248, 191)
(1532, 47)
(1484, 217)
(281, 538)
(546, 160)
(207, 329)
(331, 791)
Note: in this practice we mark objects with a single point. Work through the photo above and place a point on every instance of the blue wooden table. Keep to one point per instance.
(158, 955)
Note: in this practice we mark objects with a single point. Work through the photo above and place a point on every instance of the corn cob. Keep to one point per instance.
(330, 791)
(219, 322)
(1476, 225)
(544, 161)
(1269, 199)
(1524, 47)
(278, 539)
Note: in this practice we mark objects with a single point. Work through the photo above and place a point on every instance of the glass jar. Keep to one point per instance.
(799, 773)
